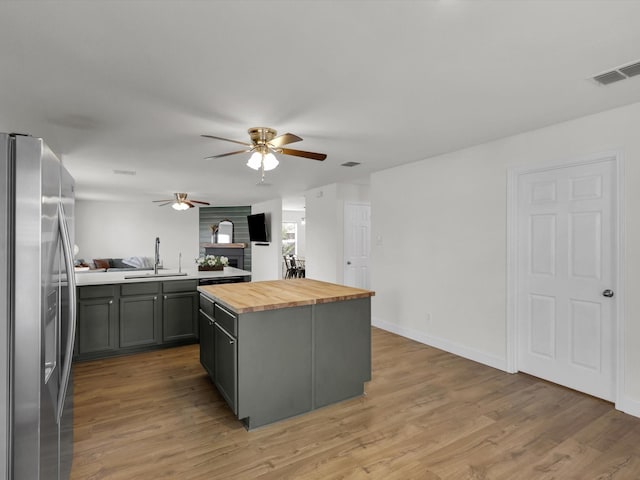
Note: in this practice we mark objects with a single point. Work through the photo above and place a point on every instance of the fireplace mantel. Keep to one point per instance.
(223, 245)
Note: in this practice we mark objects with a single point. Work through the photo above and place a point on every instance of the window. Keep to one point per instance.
(289, 238)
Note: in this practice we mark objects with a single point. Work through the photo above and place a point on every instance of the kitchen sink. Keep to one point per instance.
(155, 275)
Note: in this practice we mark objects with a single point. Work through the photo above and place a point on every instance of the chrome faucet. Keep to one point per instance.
(156, 261)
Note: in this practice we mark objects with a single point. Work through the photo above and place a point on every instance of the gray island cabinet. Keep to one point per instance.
(281, 348)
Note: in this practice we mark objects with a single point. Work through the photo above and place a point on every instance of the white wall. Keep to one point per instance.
(266, 259)
(116, 230)
(324, 259)
(439, 238)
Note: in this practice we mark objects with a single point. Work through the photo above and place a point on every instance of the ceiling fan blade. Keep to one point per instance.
(226, 140)
(302, 153)
(191, 205)
(227, 154)
(163, 204)
(198, 201)
(156, 201)
(284, 139)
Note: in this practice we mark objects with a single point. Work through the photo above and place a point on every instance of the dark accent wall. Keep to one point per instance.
(238, 215)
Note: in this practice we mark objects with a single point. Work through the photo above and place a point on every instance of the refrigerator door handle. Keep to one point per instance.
(71, 283)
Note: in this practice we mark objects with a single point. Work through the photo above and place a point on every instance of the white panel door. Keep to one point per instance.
(566, 228)
(357, 244)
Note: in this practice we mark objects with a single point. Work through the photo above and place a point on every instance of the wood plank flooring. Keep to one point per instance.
(427, 415)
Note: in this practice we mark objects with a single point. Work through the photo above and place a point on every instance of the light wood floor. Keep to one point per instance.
(427, 415)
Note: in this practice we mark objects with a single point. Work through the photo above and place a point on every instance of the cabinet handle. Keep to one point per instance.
(206, 316)
(155, 298)
(225, 310)
(110, 302)
(229, 336)
(165, 297)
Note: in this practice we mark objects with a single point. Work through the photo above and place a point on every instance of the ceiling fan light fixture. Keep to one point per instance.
(255, 161)
(180, 206)
(259, 160)
(270, 161)
(180, 202)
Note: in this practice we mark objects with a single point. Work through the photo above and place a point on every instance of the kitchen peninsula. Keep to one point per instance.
(276, 349)
(122, 312)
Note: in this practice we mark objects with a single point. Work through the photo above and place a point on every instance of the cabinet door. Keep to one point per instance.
(179, 316)
(226, 366)
(207, 357)
(139, 320)
(96, 325)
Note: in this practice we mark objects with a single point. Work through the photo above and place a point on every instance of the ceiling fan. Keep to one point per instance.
(264, 143)
(180, 202)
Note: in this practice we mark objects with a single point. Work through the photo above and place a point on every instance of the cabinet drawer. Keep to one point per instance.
(142, 288)
(176, 286)
(97, 291)
(206, 305)
(226, 319)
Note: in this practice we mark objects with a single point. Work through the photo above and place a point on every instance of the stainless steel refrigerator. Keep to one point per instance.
(37, 311)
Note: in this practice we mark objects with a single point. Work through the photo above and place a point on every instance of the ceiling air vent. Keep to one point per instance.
(609, 77)
(631, 70)
(350, 164)
(124, 172)
(616, 74)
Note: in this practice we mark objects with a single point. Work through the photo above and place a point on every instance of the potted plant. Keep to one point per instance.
(212, 262)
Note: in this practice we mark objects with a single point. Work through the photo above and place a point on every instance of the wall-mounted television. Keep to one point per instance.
(259, 227)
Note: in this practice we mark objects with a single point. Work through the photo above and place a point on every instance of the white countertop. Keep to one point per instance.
(104, 277)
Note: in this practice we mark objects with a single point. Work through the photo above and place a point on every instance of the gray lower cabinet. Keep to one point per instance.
(207, 357)
(219, 349)
(133, 317)
(225, 351)
(97, 321)
(139, 320)
(140, 314)
(179, 311)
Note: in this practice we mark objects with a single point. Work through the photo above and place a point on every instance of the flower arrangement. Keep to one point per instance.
(212, 262)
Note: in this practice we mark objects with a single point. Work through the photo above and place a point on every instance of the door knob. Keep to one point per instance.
(608, 293)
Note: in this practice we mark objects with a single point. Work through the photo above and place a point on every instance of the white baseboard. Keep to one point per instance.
(443, 344)
(629, 406)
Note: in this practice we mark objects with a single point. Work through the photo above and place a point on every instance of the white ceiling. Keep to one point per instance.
(131, 85)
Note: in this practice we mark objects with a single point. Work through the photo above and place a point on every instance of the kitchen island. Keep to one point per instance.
(124, 312)
(281, 348)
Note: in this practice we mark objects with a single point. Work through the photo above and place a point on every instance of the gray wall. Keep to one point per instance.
(238, 215)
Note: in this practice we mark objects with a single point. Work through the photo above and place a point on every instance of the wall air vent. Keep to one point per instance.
(350, 164)
(618, 73)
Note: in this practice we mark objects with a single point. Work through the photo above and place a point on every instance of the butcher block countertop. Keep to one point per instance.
(273, 294)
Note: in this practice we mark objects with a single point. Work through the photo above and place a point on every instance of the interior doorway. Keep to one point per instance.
(565, 275)
(357, 244)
